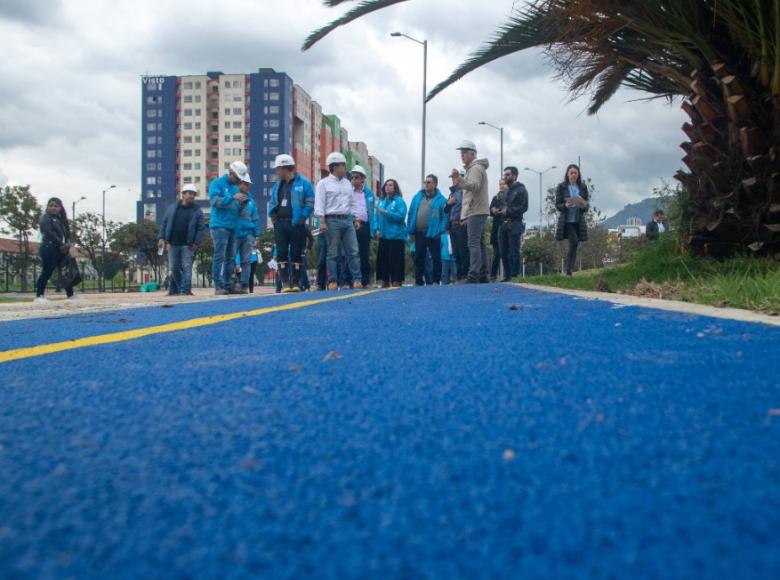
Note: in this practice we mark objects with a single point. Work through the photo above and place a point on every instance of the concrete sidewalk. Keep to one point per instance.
(58, 306)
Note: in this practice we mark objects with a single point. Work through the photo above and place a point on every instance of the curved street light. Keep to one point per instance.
(103, 249)
(501, 130)
(424, 44)
(541, 204)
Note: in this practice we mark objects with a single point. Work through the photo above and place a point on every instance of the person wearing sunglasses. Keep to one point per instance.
(426, 222)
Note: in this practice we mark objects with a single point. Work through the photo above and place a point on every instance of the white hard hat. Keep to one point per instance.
(284, 160)
(241, 170)
(469, 145)
(335, 157)
(190, 187)
(245, 178)
(360, 170)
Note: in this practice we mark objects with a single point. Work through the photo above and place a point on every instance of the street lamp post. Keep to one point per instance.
(541, 203)
(501, 130)
(103, 244)
(73, 213)
(424, 44)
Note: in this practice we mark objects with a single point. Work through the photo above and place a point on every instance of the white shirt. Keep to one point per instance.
(334, 196)
(661, 227)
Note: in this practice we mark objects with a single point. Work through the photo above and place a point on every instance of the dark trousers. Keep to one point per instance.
(460, 248)
(496, 259)
(422, 245)
(252, 272)
(390, 261)
(322, 262)
(574, 240)
(503, 244)
(363, 236)
(51, 258)
(289, 247)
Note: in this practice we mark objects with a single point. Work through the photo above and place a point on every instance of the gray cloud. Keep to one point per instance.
(70, 102)
(31, 12)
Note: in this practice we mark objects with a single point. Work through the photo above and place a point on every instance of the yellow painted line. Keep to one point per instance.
(43, 349)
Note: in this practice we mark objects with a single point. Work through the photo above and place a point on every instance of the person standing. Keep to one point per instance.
(475, 208)
(571, 201)
(448, 266)
(55, 245)
(497, 212)
(364, 212)
(224, 199)
(182, 229)
(292, 202)
(426, 222)
(247, 232)
(511, 236)
(656, 227)
(334, 205)
(458, 230)
(391, 230)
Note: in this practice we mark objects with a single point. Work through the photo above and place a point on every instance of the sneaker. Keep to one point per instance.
(286, 290)
(221, 292)
(396, 285)
(296, 289)
(40, 300)
(358, 286)
(333, 286)
(74, 296)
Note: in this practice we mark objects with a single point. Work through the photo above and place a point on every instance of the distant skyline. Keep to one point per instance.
(70, 103)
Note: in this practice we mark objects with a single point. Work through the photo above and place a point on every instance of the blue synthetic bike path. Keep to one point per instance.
(471, 431)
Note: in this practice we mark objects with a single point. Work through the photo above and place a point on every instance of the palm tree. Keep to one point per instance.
(720, 58)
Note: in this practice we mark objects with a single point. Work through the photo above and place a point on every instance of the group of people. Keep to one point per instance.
(346, 214)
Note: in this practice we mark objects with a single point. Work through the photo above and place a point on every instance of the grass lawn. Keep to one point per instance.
(659, 271)
(15, 299)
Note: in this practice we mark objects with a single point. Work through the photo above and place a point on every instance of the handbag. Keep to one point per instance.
(69, 272)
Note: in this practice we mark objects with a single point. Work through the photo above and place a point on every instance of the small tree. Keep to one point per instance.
(139, 238)
(20, 214)
(87, 232)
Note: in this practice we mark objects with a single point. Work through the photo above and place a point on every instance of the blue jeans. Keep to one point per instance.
(180, 260)
(245, 247)
(224, 257)
(341, 233)
(515, 248)
(449, 271)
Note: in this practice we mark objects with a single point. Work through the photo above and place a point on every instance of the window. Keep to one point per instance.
(188, 152)
(214, 155)
(187, 166)
(187, 85)
(151, 181)
(151, 166)
(197, 179)
(197, 84)
(197, 126)
(197, 112)
(227, 138)
(151, 140)
(187, 98)
(227, 84)
(188, 112)
(186, 179)
(227, 110)
(188, 126)
(273, 110)
(237, 111)
(273, 123)
(274, 83)
(237, 84)
(236, 98)
(188, 138)
(236, 124)
(196, 166)
(197, 152)
(153, 100)
(237, 138)
(237, 151)
(197, 138)
(151, 154)
(227, 124)
(197, 98)
(151, 113)
(273, 96)
(227, 166)
(226, 152)
(273, 137)
(151, 126)
(214, 141)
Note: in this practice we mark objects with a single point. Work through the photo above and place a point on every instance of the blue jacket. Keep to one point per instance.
(445, 248)
(393, 225)
(195, 229)
(248, 220)
(301, 198)
(224, 209)
(438, 222)
(252, 257)
(370, 207)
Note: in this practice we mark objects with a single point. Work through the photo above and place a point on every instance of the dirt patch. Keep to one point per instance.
(664, 290)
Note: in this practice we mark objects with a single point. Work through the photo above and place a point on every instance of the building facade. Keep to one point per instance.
(195, 126)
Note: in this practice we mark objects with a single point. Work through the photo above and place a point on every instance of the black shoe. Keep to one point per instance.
(484, 281)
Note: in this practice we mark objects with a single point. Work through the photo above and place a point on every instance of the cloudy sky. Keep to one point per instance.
(70, 97)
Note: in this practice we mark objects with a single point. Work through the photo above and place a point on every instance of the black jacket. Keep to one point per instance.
(195, 230)
(53, 230)
(651, 230)
(561, 194)
(517, 202)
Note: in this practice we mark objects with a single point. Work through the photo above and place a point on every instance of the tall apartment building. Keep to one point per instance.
(195, 126)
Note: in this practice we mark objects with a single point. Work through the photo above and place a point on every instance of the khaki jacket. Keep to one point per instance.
(475, 189)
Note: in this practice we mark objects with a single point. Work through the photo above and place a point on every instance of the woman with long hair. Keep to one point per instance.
(571, 201)
(55, 244)
(391, 231)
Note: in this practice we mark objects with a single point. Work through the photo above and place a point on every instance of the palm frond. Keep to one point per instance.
(365, 7)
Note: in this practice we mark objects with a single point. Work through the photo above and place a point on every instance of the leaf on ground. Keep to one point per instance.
(332, 355)
(250, 390)
(509, 455)
(294, 368)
